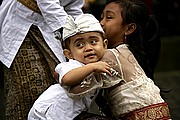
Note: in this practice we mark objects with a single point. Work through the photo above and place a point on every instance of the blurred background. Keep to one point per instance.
(167, 74)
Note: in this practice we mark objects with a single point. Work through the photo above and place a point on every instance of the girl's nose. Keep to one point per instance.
(102, 22)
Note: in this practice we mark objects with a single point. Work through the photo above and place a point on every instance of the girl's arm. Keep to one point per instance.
(77, 75)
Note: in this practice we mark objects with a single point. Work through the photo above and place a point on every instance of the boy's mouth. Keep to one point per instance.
(89, 55)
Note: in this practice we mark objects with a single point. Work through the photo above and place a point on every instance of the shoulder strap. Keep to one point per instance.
(31, 4)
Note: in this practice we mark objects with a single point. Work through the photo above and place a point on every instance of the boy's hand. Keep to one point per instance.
(101, 66)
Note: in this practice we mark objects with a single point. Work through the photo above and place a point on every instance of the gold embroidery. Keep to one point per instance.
(158, 111)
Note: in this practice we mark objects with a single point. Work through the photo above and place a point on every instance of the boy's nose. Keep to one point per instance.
(88, 48)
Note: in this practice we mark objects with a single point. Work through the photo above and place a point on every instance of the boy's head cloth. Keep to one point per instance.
(83, 23)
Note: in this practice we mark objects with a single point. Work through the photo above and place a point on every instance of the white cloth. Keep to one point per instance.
(16, 20)
(65, 67)
(54, 104)
(82, 23)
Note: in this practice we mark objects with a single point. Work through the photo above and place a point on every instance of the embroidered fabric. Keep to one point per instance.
(158, 111)
(138, 90)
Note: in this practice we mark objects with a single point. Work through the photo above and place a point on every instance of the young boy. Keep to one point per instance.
(84, 47)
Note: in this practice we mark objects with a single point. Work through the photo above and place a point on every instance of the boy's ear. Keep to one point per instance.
(130, 28)
(67, 53)
(105, 43)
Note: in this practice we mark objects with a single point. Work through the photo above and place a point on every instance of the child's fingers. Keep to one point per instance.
(107, 70)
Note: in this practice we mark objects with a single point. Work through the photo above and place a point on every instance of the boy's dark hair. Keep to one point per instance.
(65, 43)
(145, 42)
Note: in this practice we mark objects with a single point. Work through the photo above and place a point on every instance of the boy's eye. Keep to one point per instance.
(93, 41)
(79, 44)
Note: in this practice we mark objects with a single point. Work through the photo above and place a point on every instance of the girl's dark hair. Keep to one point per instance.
(145, 41)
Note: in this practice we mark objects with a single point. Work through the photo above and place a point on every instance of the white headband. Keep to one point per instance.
(83, 23)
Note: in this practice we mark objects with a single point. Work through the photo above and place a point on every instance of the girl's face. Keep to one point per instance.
(87, 47)
(111, 21)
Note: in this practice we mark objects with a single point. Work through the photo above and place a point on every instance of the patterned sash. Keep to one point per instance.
(158, 111)
(31, 4)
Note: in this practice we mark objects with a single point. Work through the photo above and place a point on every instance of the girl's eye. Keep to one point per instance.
(108, 17)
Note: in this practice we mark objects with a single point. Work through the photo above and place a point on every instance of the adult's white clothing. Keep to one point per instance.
(16, 20)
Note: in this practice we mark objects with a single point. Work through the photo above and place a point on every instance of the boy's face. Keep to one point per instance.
(87, 47)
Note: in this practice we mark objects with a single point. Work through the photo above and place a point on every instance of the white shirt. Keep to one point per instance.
(16, 20)
(54, 104)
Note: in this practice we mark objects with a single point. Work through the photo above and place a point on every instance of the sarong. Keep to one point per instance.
(29, 75)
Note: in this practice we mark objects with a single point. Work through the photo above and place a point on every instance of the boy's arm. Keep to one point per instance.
(77, 75)
(96, 80)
